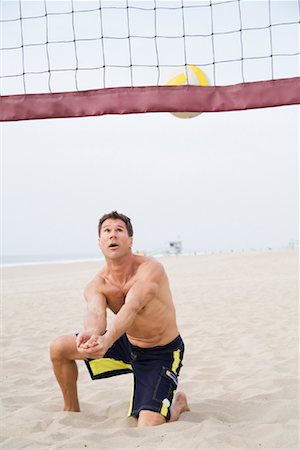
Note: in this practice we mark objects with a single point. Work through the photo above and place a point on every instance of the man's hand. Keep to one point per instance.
(82, 339)
(92, 345)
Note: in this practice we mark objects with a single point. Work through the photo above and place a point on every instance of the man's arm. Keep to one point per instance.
(143, 290)
(96, 319)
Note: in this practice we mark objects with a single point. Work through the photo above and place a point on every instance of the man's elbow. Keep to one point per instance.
(134, 308)
(151, 291)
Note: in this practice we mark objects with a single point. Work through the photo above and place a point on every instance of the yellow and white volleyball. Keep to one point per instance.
(189, 75)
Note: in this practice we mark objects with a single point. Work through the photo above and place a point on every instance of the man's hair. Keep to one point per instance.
(116, 215)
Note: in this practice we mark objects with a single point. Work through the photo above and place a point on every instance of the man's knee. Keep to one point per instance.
(59, 348)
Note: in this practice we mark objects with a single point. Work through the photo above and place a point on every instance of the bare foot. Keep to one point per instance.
(179, 406)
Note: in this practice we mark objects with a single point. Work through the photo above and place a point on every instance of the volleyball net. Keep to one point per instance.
(84, 58)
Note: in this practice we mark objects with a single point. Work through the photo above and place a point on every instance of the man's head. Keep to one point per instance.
(115, 215)
(115, 235)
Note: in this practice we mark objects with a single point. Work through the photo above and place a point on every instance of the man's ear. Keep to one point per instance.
(131, 242)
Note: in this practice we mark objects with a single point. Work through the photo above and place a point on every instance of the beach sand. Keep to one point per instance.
(238, 316)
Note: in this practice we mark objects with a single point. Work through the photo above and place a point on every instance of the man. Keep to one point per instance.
(143, 337)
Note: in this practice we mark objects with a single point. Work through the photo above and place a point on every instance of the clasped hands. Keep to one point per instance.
(92, 345)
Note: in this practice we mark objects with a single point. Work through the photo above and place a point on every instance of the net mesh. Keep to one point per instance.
(59, 46)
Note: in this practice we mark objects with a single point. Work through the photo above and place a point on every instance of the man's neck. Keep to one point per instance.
(121, 270)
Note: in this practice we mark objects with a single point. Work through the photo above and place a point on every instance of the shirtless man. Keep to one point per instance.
(142, 339)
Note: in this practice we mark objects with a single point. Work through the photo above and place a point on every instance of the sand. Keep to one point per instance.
(238, 316)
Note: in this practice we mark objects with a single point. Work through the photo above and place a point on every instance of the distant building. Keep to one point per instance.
(175, 247)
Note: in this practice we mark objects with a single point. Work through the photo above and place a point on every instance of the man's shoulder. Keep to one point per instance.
(147, 261)
(149, 265)
(96, 285)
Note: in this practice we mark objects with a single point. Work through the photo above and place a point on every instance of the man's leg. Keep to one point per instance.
(151, 418)
(179, 406)
(63, 354)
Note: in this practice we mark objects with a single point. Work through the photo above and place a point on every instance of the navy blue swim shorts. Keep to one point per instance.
(155, 372)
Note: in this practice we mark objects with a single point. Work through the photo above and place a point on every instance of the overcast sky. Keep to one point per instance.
(219, 181)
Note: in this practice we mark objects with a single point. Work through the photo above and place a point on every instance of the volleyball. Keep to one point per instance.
(191, 75)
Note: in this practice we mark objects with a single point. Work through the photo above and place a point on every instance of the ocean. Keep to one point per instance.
(16, 260)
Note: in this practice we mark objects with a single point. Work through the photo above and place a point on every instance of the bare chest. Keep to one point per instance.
(115, 297)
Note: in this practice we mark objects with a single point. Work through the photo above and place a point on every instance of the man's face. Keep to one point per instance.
(114, 240)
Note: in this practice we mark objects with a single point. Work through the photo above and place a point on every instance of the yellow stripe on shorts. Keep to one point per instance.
(131, 400)
(176, 361)
(103, 365)
(164, 410)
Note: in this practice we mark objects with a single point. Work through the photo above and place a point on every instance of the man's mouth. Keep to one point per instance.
(113, 245)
